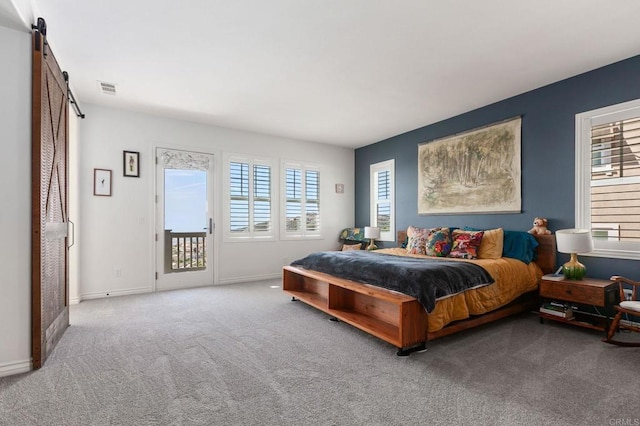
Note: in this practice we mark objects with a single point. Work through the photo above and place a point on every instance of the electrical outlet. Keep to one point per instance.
(627, 294)
(118, 272)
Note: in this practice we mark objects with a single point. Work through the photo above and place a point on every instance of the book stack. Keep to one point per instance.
(557, 309)
(553, 277)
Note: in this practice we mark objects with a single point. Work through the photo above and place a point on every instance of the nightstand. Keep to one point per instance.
(601, 294)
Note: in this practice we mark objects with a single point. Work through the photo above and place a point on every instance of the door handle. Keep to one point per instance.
(210, 227)
(73, 234)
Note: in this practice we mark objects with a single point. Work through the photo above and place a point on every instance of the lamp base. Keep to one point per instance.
(574, 270)
(372, 245)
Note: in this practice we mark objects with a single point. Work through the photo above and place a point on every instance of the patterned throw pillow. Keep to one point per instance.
(428, 241)
(416, 239)
(438, 243)
(466, 244)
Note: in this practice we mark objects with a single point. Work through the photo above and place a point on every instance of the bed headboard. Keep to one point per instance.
(546, 250)
(546, 253)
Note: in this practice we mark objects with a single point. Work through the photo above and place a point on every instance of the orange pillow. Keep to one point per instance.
(491, 244)
(349, 247)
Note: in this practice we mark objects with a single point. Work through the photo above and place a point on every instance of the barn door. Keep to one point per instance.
(49, 293)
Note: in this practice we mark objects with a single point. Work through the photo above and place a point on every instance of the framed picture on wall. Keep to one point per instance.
(477, 171)
(102, 182)
(131, 164)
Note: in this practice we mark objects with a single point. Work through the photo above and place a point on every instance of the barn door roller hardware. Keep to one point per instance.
(72, 99)
(41, 30)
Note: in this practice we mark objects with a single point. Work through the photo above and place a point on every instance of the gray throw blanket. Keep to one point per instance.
(424, 279)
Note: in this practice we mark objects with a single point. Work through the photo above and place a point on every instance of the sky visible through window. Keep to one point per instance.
(185, 200)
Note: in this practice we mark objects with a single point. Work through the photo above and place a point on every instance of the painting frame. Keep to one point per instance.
(102, 182)
(131, 164)
(478, 171)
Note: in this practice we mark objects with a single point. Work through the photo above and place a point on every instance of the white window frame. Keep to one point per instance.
(584, 122)
(374, 169)
(251, 235)
(302, 234)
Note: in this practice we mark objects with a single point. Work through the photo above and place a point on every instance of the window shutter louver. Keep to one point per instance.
(382, 207)
(383, 204)
(301, 201)
(249, 198)
(239, 197)
(312, 205)
(294, 199)
(615, 180)
(262, 198)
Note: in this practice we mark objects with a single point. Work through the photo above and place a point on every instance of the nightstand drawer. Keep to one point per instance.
(572, 292)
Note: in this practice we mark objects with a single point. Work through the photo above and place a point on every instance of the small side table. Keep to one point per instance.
(589, 291)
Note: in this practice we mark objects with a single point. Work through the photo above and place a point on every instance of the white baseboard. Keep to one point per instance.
(182, 287)
(251, 278)
(15, 368)
(102, 294)
(99, 295)
(74, 300)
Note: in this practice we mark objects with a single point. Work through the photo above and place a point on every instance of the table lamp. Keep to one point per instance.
(372, 233)
(574, 241)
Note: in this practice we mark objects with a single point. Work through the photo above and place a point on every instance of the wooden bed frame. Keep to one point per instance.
(394, 317)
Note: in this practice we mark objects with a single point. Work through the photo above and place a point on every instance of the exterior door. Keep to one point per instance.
(184, 219)
(49, 279)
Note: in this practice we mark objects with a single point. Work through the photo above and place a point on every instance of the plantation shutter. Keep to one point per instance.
(312, 204)
(382, 204)
(294, 199)
(261, 198)
(239, 197)
(615, 180)
(383, 200)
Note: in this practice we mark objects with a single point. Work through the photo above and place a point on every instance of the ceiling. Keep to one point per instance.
(342, 72)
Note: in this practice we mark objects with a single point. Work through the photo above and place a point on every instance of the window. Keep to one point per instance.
(382, 177)
(608, 178)
(301, 201)
(249, 199)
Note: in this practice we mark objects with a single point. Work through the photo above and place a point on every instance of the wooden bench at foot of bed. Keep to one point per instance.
(394, 317)
(391, 316)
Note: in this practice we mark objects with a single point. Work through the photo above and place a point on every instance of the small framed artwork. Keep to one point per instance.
(131, 164)
(102, 182)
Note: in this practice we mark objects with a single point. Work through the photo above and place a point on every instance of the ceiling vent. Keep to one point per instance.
(107, 88)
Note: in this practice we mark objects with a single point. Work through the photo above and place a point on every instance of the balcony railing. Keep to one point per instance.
(184, 251)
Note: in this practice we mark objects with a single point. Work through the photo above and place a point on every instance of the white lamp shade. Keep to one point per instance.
(574, 240)
(371, 232)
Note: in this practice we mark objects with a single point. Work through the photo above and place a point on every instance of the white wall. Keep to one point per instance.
(15, 191)
(73, 165)
(18, 14)
(117, 232)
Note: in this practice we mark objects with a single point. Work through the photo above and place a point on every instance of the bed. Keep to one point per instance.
(401, 319)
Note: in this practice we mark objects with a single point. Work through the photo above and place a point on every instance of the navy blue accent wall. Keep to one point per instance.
(548, 145)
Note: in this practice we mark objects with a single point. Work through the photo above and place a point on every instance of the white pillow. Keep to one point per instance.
(632, 305)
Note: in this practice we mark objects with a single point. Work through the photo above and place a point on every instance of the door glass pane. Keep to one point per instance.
(185, 219)
(185, 200)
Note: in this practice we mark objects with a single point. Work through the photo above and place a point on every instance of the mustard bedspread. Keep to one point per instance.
(512, 279)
